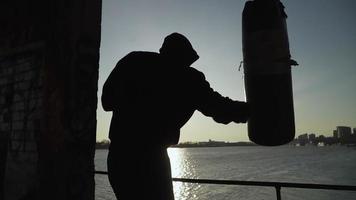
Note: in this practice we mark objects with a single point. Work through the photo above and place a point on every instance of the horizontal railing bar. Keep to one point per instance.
(101, 172)
(261, 183)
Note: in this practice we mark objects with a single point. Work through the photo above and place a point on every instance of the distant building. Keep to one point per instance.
(344, 134)
(343, 131)
(303, 136)
(354, 132)
(303, 139)
(311, 137)
(335, 134)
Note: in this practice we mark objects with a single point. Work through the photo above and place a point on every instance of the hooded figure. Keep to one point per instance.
(152, 95)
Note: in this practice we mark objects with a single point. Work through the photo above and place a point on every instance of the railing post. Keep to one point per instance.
(278, 192)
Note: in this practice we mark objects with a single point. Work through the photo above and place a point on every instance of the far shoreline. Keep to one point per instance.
(105, 146)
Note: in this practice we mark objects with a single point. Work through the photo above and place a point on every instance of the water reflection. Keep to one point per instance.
(182, 167)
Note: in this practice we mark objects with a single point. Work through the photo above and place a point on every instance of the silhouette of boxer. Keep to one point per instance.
(152, 95)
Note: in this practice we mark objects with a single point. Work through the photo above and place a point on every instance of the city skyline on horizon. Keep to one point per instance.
(322, 40)
(353, 132)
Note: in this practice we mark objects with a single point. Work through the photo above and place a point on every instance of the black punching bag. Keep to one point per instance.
(267, 69)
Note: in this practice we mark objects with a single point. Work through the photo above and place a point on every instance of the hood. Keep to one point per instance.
(178, 49)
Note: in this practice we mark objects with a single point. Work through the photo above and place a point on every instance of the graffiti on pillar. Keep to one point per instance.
(22, 93)
(21, 96)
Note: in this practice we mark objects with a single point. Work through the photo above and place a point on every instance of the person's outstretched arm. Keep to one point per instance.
(211, 103)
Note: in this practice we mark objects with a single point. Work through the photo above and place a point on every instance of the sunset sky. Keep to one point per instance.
(322, 37)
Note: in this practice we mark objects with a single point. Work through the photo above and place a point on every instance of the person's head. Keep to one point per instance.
(178, 50)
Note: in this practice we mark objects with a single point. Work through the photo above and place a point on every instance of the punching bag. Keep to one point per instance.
(267, 73)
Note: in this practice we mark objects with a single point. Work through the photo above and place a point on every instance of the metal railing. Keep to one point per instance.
(276, 185)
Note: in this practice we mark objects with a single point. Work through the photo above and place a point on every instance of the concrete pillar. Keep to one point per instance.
(49, 59)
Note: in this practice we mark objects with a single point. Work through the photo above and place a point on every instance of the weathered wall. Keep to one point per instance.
(49, 60)
(21, 97)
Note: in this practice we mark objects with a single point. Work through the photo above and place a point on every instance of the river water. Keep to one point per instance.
(310, 164)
